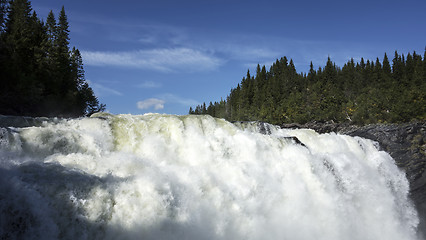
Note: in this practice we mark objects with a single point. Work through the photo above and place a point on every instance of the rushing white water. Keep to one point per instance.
(196, 177)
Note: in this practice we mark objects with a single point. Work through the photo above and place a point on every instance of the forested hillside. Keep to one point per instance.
(359, 92)
(40, 75)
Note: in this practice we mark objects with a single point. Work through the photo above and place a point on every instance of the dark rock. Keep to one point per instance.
(295, 140)
(264, 128)
(292, 125)
(18, 121)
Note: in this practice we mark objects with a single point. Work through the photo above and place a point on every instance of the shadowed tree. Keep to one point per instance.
(40, 75)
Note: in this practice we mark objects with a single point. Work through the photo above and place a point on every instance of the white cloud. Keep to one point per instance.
(164, 59)
(147, 39)
(250, 52)
(124, 30)
(159, 102)
(252, 66)
(151, 102)
(179, 100)
(205, 49)
(150, 84)
(101, 90)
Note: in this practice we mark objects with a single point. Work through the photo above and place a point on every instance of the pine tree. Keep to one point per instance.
(312, 73)
(62, 33)
(424, 65)
(397, 67)
(51, 31)
(51, 26)
(362, 64)
(40, 76)
(3, 11)
(259, 86)
(18, 32)
(62, 56)
(386, 66)
(409, 66)
(85, 101)
(3, 51)
(19, 41)
(365, 92)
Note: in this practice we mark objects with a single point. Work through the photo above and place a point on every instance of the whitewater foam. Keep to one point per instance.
(196, 177)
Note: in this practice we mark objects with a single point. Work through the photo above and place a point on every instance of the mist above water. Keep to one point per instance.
(196, 177)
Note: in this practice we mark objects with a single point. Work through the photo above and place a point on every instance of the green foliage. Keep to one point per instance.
(40, 75)
(362, 93)
(3, 7)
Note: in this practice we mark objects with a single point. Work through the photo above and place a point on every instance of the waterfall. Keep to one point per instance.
(157, 176)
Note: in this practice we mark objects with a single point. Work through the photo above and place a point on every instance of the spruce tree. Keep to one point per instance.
(62, 55)
(311, 74)
(386, 66)
(18, 32)
(51, 26)
(365, 92)
(86, 103)
(397, 66)
(19, 66)
(40, 75)
(424, 65)
(51, 31)
(3, 11)
(409, 66)
(62, 38)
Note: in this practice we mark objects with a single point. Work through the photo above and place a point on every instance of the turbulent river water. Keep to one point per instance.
(196, 177)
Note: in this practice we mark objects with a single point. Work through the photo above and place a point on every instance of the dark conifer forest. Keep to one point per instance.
(40, 74)
(388, 91)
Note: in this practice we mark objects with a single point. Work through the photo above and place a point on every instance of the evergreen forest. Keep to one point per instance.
(40, 74)
(359, 92)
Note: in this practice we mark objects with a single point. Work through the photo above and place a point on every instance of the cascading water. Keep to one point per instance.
(196, 177)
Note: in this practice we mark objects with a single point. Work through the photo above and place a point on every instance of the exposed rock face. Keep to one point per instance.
(19, 121)
(406, 143)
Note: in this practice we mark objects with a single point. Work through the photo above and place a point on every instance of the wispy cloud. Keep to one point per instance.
(169, 48)
(173, 48)
(127, 30)
(161, 100)
(164, 60)
(253, 65)
(172, 98)
(248, 52)
(150, 84)
(155, 103)
(102, 91)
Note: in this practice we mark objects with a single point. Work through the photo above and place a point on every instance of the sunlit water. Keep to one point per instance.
(196, 177)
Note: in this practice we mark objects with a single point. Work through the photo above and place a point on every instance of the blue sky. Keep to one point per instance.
(166, 55)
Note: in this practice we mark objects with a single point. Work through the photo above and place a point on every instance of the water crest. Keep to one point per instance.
(196, 177)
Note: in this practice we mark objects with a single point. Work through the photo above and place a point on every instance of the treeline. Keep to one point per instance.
(40, 75)
(363, 92)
